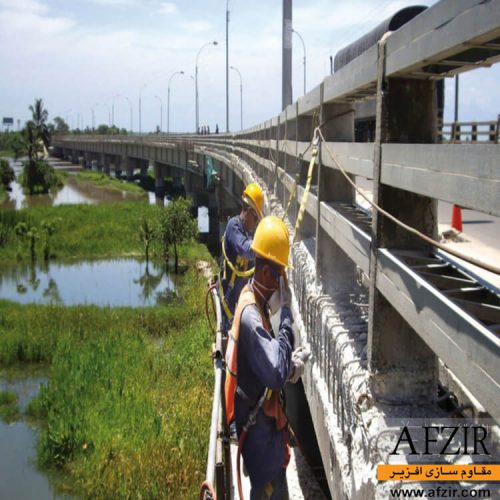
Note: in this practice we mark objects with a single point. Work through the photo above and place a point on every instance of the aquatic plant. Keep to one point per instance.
(9, 409)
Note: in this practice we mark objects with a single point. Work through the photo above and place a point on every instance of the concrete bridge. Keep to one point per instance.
(396, 325)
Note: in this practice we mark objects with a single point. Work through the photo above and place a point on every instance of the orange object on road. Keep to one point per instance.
(456, 218)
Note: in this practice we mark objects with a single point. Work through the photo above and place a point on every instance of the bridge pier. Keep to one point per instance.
(402, 367)
(127, 164)
(159, 184)
(117, 167)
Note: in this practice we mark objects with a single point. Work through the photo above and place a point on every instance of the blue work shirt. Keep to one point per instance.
(237, 243)
(263, 361)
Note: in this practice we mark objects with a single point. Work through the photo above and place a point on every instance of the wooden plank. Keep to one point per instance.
(354, 242)
(465, 174)
(468, 348)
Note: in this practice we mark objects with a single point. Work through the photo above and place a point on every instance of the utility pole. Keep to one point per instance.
(227, 65)
(286, 91)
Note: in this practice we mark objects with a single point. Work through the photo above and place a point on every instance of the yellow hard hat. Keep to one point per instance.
(253, 196)
(271, 240)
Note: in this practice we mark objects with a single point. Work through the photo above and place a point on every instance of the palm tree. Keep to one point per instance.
(39, 123)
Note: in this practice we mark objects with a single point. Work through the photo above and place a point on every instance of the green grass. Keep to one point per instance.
(105, 181)
(6, 153)
(9, 410)
(126, 411)
(87, 231)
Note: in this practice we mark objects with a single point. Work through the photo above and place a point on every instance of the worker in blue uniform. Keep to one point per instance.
(258, 364)
(237, 254)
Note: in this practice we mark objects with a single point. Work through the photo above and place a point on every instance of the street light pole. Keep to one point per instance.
(196, 82)
(113, 110)
(168, 98)
(131, 114)
(161, 112)
(93, 114)
(241, 96)
(227, 65)
(140, 112)
(304, 47)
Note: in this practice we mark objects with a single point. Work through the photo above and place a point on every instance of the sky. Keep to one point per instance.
(84, 56)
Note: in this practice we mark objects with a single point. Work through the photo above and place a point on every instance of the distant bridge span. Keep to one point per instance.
(392, 323)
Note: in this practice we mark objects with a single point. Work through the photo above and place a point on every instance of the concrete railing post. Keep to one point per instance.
(403, 369)
(334, 269)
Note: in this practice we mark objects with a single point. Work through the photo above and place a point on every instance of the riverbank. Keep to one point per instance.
(125, 411)
(128, 397)
(104, 181)
(87, 232)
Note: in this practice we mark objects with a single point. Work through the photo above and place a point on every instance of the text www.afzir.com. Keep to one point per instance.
(441, 492)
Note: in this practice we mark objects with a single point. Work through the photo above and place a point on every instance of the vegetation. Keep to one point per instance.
(6, 173)
(129, 396)
(12, 145)
(60, 127)
(9, 410)
(38, 176)
(105, 181)
(176, 227)
(88, 231)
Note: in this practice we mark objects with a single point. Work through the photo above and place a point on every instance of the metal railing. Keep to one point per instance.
(471, 132)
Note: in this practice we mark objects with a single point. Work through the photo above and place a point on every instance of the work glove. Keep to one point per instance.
(299, 358)
(285, 294)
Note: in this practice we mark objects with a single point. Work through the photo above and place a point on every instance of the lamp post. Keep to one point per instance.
(304, 47)
(196, 82)
(227, 65)
(168, 98)
(241, 96)
(140, 104)
(161, 112)
(113, 110)
(93, 114)
(131, 114)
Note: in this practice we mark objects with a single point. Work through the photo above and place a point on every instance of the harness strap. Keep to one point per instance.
(229, 314)
(252, 418)
(240, 274)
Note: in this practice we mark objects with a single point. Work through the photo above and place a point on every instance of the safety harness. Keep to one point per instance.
(269, 401)
(235, 273)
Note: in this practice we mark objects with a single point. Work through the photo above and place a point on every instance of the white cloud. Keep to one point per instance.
(167, 8)
(33, 6)
(195, 26)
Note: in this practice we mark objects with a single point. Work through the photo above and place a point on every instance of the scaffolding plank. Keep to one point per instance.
(466, 346)
(354, 242)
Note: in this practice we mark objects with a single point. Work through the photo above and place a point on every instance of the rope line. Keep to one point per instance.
(456, 253)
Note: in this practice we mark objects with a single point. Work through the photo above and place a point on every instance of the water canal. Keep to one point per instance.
(113, 282)
(125, 282)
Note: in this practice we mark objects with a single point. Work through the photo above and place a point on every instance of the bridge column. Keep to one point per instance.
(402, 367)
(106, 164)
(128, 165)
(335, 270)
(144, 169)
(118, 167)
(159, 183)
